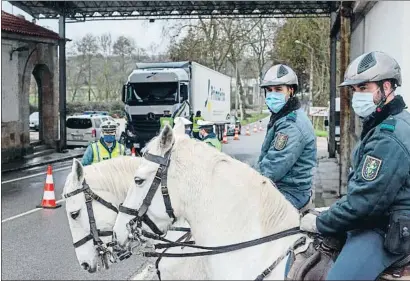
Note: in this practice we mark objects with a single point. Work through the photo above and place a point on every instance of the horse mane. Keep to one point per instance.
(212, 164)
(114, 175)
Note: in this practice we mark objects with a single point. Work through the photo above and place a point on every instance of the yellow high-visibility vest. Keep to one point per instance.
(100, 153)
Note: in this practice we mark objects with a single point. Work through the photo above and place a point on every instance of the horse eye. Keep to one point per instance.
(75, 214)
(138, 180)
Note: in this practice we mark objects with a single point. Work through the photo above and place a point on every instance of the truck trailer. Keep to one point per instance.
(183, 88)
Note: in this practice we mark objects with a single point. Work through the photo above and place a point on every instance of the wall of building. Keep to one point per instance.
(385, 28)
(15, 81)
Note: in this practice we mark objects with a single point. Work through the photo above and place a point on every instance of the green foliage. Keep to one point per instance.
(116, 107)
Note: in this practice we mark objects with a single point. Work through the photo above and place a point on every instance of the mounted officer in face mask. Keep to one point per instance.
(375, 213)
(106, 147)
(289, 151)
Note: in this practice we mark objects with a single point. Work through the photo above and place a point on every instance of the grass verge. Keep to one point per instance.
(320, 133)
(254, 117)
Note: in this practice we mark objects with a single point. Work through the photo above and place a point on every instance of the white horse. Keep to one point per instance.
(224, 201)
(111, 181)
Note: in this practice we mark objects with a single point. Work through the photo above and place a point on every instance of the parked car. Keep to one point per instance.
(34, 121)
(84, 129)
(233, 123)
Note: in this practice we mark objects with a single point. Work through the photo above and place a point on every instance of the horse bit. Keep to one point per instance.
(95, 233)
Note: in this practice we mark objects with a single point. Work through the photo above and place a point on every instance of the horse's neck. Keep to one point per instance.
(231, 205)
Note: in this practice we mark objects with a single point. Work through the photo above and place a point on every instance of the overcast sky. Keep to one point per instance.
(143, 32)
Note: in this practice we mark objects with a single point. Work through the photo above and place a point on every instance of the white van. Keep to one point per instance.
(84, 129)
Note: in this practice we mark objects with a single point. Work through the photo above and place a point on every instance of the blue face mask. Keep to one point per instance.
(109, 138)
(363, 104)
(275, 101)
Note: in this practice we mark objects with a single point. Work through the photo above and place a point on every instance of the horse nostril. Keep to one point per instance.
(85, 266)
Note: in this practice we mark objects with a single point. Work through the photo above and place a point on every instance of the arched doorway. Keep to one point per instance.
(46, 103)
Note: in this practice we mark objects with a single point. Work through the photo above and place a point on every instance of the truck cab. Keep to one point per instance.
(149, 91)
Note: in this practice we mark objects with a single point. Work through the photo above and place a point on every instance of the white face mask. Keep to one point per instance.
(363, 104)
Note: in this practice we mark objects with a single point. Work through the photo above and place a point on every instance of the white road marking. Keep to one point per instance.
(35, 175)
(27, 213)
(145, 274)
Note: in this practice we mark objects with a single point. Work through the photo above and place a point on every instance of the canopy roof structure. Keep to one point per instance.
(97, 10)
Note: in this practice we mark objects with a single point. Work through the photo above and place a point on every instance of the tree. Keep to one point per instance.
(88, 47)
(315, 33)
(105, 79)
(124, 48)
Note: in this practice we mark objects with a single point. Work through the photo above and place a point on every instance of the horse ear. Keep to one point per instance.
(166, 138)
(179, 126)
(78, 170)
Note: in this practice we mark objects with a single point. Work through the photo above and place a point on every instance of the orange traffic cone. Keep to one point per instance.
(225, 137)
(133, 151)
(255, 129)
(49, 199)
(236, 137)
(248, 133)
(260, 127)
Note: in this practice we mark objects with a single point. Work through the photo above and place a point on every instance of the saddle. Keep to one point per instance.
(314, 260)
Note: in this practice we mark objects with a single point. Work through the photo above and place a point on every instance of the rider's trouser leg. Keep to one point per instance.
(363, 257)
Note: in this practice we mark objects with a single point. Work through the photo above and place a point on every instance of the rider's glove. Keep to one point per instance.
(308, 223)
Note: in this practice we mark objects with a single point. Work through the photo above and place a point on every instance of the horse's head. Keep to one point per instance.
(148, 203)
(92, 207)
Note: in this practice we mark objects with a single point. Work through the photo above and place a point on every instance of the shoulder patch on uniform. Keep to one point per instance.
(371, 167)
(280, 141)
(388, 125)
(291, 116)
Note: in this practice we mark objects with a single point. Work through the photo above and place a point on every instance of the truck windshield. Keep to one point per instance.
(152, 93)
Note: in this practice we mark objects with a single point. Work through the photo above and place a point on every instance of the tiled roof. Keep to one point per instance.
(14, 24)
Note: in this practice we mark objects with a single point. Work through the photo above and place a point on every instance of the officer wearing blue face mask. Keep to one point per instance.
(288, 153)
(106, 147)
(375, 213)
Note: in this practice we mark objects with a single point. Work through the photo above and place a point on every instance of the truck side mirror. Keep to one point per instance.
(124, 93)
(184, 92)
(326, 123)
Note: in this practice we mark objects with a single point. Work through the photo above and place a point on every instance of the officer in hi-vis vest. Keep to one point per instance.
(195, 127)
(166, 119)
(206, 133)
(106, 147)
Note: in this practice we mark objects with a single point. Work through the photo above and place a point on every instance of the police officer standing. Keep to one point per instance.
(187, 125)
(106, 147)
(166, 119)
(206, 133)
(375, 213)
(289, 151)
(195, 127)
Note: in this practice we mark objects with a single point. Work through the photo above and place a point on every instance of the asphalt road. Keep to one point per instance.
(37, 244)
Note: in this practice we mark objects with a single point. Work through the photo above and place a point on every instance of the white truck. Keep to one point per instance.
(183, 88)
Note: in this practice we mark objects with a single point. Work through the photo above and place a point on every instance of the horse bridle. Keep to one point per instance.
(135, 224)
(161, 177)
(95, 233)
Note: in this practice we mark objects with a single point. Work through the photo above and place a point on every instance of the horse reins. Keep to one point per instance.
(95, 233)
